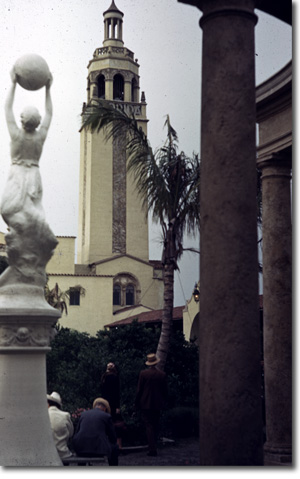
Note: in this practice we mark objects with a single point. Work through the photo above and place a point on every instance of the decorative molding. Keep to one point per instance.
(100, 52)
(26, 335)
(228, 11)
(119, 195)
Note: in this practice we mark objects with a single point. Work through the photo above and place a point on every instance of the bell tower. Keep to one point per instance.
(111, 221)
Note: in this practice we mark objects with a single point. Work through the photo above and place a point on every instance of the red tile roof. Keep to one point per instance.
(154, 316)
(133, 307)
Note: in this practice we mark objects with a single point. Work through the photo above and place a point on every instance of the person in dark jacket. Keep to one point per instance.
(151, 397)
(110, 390)
(95, 434)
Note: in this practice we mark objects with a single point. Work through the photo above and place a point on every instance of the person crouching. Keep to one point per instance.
(95, 435)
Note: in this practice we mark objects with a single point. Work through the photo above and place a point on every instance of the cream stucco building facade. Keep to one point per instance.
(113, 263)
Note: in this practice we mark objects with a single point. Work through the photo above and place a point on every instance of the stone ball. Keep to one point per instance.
(32, 71)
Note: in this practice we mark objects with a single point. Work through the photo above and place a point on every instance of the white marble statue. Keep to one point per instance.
(30, 242)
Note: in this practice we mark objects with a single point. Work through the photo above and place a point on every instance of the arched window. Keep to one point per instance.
(126, 291)
(101, 86)
(130, 295)
(117, 295)
(118, 87)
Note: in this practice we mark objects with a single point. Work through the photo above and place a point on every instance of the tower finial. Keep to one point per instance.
(113, 8)
(113, 21)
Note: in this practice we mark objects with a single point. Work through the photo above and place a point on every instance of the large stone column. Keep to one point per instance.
(277, 278)
(230, 378)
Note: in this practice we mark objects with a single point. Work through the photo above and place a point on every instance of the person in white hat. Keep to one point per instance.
(61, 425)
(150, 398)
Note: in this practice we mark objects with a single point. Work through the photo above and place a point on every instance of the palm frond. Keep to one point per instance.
(57, 298)
(167, 182)
(117, 124)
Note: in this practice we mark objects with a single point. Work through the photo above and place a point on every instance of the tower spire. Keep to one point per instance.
(113, 25)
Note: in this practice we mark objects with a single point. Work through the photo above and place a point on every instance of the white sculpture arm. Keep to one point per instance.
(9, 114)
(48, 109)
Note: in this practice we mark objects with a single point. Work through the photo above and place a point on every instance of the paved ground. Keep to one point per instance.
(183, 452)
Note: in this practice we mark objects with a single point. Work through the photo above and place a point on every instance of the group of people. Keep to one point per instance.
(99, 430)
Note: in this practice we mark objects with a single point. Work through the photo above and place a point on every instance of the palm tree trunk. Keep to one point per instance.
(164, 339)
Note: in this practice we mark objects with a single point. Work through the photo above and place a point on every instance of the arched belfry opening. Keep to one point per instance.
(101, 86)
(118, 90)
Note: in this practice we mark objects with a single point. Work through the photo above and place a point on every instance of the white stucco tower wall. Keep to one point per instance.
(111, 221)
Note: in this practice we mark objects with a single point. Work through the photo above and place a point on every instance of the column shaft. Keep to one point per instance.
(277, 284)
(230, 379)
(109, 89)
(127, 91)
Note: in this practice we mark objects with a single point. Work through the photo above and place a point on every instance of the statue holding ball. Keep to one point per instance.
(30, 241)
(32, 72)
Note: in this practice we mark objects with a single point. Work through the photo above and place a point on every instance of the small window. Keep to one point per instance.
(130, 295)
(117, 295)
(74, 297)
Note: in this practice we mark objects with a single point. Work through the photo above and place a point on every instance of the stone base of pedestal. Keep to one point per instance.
(278, 456)
(24, 299)
(26, 329)
(25, 433)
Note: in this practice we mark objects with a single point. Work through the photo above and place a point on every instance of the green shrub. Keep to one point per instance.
(180, 422)
(77, 361)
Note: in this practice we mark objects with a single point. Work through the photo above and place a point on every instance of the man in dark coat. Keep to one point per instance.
(150, 399)
(95, 435)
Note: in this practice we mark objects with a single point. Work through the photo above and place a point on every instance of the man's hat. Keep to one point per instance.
(55, 397)
(152, 360)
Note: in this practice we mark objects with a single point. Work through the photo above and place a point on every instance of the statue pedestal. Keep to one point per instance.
(26, 329)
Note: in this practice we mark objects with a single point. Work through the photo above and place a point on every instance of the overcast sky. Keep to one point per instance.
(166, 39)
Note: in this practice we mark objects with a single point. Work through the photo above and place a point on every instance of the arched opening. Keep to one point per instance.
(130, 295)
(117, 295)
(126, 291)
(118, 92)
(101, 86)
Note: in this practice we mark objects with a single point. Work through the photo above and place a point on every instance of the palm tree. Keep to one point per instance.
(168, 185)
(58, 298)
